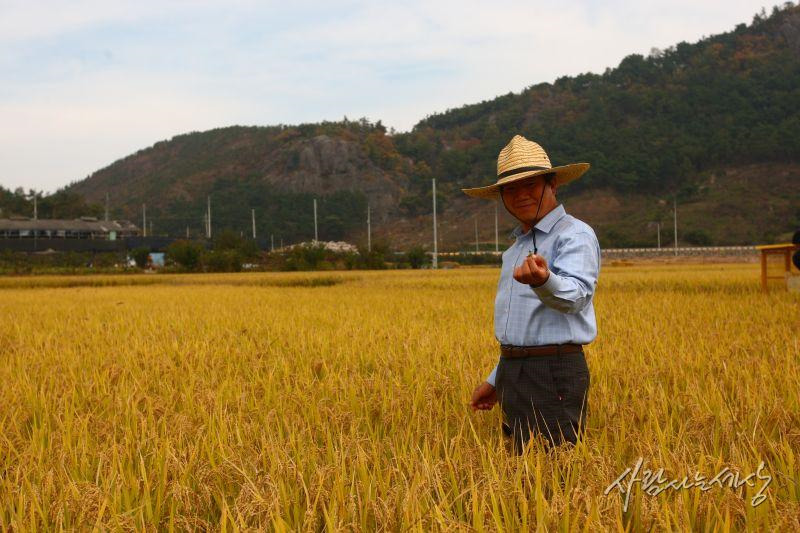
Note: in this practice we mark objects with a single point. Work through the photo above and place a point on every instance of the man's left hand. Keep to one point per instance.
(533, 271)
(483, 397)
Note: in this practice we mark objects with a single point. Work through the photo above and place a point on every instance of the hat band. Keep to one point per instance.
(519, 170)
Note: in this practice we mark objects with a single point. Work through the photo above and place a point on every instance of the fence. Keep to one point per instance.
(681, 251)
(644, 252)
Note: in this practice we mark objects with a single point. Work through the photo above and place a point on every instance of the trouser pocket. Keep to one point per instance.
(571, 379)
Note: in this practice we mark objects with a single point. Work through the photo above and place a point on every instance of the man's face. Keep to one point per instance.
(521, 198)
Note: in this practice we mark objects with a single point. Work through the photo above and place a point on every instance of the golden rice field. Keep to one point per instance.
(339, 401)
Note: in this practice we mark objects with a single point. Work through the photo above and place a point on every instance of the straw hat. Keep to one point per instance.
(521, 159)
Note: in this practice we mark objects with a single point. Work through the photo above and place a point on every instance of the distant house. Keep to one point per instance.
(79, 228)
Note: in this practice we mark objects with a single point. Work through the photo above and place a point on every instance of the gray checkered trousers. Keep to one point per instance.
(543, 395)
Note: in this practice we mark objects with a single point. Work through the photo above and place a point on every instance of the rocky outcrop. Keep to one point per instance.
(325, 164)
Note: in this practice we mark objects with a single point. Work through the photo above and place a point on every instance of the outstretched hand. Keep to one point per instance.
(483, 397)
(532, 271)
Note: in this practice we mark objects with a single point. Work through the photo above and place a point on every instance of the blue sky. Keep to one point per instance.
(86, 82)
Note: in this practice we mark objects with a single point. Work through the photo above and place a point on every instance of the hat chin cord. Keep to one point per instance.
(536, 218)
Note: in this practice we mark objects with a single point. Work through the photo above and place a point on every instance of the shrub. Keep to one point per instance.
(140, 256)
(417, 257)
(187, 254)
(697, 237)
(223, 261)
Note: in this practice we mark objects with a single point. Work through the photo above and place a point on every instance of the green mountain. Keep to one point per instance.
(712, 124)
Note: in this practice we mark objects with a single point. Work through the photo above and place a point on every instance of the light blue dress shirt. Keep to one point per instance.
(560, 311)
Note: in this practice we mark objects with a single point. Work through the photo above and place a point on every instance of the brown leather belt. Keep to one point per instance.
(546, 349)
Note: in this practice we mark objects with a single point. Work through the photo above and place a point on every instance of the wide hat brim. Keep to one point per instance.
(564, 174)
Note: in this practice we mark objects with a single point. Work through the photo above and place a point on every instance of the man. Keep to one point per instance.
(543, 310)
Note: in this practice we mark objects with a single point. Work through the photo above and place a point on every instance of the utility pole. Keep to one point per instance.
(253, 213)
(315, 220)
(151, 229)
(35, 228)
(187, 232)
(144, 220)
(435, 263)
(496, 240)
(369, 232)
(208, 217)
(271, 242)
(106, 218)
(675, 221)
(476, 234)
(658, 225)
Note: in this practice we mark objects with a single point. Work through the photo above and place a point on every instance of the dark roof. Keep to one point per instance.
(77, 224)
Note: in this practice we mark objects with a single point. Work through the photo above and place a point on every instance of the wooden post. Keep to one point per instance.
(764, 270)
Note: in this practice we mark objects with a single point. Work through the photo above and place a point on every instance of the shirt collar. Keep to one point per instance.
(545, 224)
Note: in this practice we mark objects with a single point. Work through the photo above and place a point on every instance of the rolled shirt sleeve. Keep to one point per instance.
(573, 274)
(490, 380)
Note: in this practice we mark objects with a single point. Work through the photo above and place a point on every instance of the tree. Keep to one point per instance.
(417, 257)
(187, 254)
(228, 240)
(223, 260)
(140, 255)
(697, 237)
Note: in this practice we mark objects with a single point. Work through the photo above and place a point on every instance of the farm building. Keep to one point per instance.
(85, 234)
(79, 228)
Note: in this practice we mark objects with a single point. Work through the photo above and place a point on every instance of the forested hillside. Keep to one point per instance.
(62, 204)
(652, 123)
